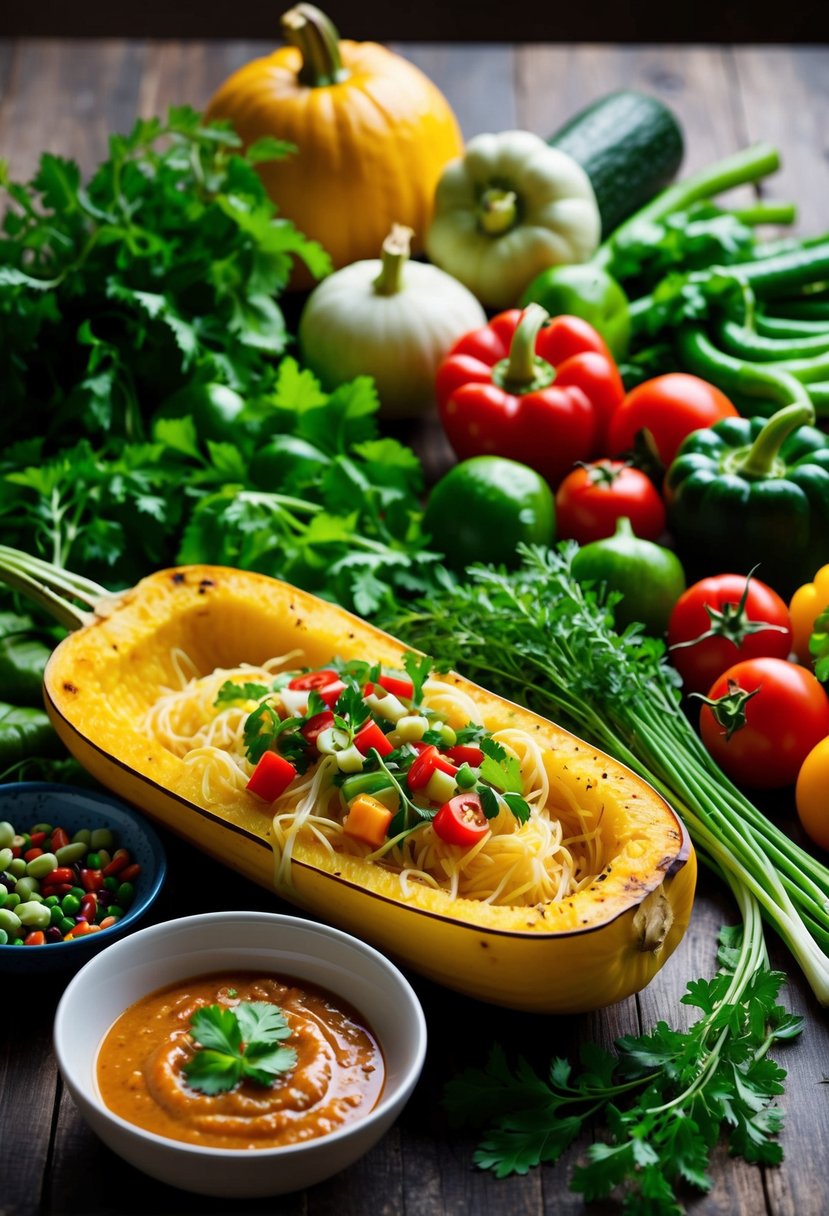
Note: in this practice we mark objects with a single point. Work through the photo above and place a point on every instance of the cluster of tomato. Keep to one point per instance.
(763, 717)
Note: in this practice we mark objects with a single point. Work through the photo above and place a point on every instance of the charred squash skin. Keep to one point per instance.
(581, 953)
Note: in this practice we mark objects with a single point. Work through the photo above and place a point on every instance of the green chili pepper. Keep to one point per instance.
(754, 491)
(25, 733)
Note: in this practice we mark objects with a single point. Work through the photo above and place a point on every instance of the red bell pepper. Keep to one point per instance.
(541, 396)
(271, 777)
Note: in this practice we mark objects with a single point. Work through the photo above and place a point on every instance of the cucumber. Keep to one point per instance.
(630, 145)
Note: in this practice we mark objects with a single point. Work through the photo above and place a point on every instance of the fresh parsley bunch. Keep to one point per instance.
(663, 1096)
(163, 269)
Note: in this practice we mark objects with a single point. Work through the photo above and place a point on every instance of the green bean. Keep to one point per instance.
(745, 343)
(788, 327)
(6, 856)
(101, 838)
(6, 833)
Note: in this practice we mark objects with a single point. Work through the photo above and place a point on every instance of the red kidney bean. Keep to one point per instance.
(120, 859)
(32, 853)
(89, 907)
(60, 838)
(130, 873)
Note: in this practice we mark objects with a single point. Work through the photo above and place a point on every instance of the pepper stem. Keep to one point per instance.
(313, 34)
(497, 211)
(394, 255)
(523, 371)
(761, 459)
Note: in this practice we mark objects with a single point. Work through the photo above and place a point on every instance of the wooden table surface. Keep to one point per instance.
(65, 97)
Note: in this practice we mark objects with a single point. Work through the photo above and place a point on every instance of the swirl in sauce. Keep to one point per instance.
(338, 1076)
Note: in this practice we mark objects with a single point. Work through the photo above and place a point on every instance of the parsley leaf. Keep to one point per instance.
(417, 668)
(237, 1044)
(666, 1096)
(231, 692)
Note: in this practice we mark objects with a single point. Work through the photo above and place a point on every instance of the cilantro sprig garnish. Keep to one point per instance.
(667, 1095)
(231, 692)
(244, 1043)
(503, 772)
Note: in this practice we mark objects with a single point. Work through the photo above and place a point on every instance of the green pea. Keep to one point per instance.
(56, 914)
(25, 886)
(70, 853)
(104, 858)
(102, 838)
(17, 867)
(83, 835)
(78, 892)
(66, 925)
(111, 883)
(71, 904)
(43, 827)
(126, 893)
(9, 921)
(34, 916)
(52, 901)
(6, 856)
(93, 861)
(4, 937)
(114, 911)
(7, 833)
(448, 737)
(39, 867)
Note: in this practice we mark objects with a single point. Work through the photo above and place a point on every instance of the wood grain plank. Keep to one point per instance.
(66, 98)
(696, 83)
(784, 96)
(477, 81)
(28, 1084)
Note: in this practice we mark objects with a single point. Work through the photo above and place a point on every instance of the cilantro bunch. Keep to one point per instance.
(142, 357)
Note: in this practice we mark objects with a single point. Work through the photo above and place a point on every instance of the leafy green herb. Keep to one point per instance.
(351, 708)
(230, 692)
(500, 769)
(417, 668)
(666, 1096)
(237, 1044)
(536, 636)
(263, 726)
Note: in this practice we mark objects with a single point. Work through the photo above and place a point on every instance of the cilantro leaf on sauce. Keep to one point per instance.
(237, 1044)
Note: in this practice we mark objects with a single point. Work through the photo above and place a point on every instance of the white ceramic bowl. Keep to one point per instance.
(250, 941)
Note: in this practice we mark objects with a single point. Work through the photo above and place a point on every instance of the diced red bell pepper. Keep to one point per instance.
(465, 753)
(541, 396)
(370, 736)
(398, 685)
(326, 682)
(271, 777)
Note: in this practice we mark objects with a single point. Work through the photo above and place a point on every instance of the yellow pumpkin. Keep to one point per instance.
(589, 950)
(372, 133)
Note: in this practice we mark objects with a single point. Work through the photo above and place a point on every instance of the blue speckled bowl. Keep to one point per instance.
(28, 802)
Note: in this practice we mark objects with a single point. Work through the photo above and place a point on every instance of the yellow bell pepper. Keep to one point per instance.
(805, 607)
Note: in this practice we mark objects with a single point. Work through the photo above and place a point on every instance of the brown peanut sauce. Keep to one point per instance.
(338, 1076)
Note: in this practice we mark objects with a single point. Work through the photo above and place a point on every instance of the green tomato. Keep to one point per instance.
(485, 506)
(214, 408)
(586, 291)
(649, 577)
(286, 460)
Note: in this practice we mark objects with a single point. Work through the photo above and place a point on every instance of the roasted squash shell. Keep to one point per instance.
(596, 947)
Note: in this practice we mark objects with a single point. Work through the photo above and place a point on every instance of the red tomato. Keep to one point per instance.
(424, 764)
(311, 729)
(720, 615)
(461, 820)
(784, 720)
(592, 498)
(313, 680)
(668, 408)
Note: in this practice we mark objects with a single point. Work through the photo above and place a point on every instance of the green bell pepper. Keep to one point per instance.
(588, 292)
(754, 492)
